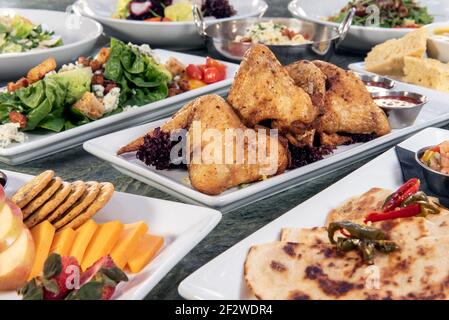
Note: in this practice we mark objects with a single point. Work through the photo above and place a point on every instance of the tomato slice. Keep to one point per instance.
(194, 72)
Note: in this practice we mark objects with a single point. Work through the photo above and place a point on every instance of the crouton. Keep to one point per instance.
(21, 83)
(175, 67)
(90, 106)
(103, 55)
(39, 71)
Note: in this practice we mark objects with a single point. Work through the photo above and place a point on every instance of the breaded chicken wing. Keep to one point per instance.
(213, 177)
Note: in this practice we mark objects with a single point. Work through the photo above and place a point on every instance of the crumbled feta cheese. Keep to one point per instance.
(145, 49)
(10, 133)
(98, 90)
(71, 66)
(111, 100)
(129, 108)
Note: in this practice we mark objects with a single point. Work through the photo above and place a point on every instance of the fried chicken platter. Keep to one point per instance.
(291, 116)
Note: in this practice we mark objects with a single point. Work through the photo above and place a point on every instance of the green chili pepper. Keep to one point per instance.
(355, 230)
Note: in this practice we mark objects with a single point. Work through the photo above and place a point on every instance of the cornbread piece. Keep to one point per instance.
(428, 73)
(63, 241)
(83, 236)
(42, 235)
(146, 250)
(102, 242)
(388, 58)
(127, 244)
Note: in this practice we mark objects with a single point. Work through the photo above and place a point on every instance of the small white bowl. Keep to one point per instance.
(360, 37)
(79, 35)
(438, 48)
(180, 35)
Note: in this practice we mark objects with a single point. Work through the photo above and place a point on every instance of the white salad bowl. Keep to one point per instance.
(159, 34)
(361, 38)
(79, 35)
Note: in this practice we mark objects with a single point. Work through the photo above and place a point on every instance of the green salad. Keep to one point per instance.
(121, 76)
(18, 34)
(392, 13)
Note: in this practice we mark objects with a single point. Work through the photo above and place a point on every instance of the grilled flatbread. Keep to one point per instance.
(282, 270)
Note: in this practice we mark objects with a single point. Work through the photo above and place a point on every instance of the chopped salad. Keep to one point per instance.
(393, 13)
(18, 34)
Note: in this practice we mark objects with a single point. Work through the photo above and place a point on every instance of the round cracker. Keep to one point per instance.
(50, 205)
(77, 190)
(42, 197)
(106, 192)
(92, 191)
(30, 190)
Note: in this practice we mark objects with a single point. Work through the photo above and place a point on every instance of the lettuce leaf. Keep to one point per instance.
(142, 80)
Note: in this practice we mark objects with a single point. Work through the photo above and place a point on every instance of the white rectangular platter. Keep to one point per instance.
(182, 226)
(41, 145)
(222, 278)
(175, 182)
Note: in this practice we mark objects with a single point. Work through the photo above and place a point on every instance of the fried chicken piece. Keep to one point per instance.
(208, 175)
(175, 67)
(263, 90)
(38, 72)
(310, 78)
(348, 105)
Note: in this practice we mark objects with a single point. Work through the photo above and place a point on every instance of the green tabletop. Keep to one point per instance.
(77, 164)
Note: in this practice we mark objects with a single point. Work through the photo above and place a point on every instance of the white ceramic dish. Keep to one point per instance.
(360, 38)
(41, 145)
(222, 278)
(438, 48)
(79, 36)
(182, 227)
(360, 67)
(175, 182)
(168, 34)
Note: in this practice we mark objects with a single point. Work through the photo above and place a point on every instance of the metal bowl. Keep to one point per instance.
(405, 116)
(382, 83)
(220, 38)
(438, 182)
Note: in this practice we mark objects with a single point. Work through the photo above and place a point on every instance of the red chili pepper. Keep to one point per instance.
(406, 190)
(407, 212)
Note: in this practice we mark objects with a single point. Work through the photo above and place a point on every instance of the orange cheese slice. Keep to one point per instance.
(127, 243)
(102, 242)
(63, 241)
(42, 235)
(83, 236)
(147, 249)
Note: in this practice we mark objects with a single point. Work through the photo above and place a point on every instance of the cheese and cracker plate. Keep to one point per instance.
(83, 240)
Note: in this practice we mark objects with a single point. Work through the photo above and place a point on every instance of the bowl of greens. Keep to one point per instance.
(29, 36)
(375, 21)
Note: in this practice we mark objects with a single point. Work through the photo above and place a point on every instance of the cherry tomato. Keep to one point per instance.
(212, 75)
(202, 67)
(194, 72)
(215, 64)
(154, 19)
